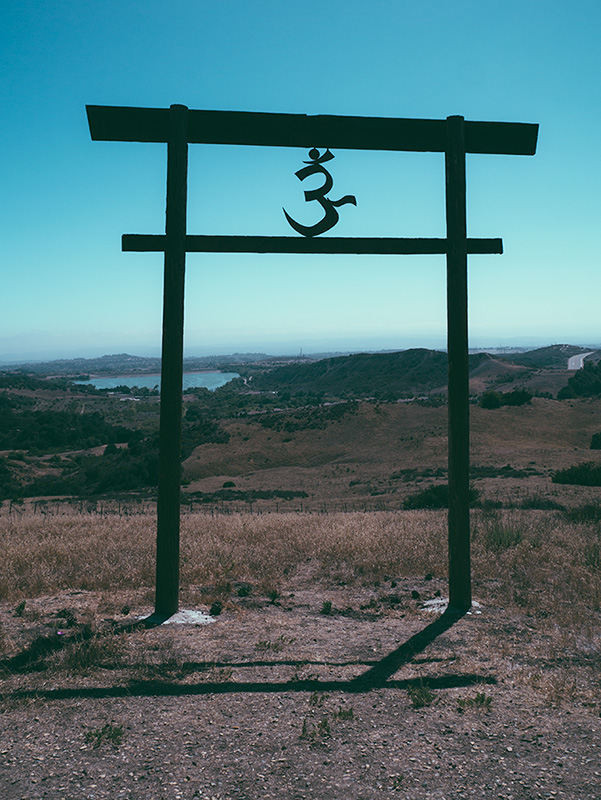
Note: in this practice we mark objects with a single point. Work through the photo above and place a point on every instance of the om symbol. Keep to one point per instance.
(329, 206)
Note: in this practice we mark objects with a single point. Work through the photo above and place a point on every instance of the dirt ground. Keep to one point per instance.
(325, 692)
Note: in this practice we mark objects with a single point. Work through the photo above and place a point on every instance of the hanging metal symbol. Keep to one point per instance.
(329, 206)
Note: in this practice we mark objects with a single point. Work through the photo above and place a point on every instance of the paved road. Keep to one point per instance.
(576, 362)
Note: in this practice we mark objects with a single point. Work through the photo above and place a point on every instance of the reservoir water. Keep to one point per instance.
(209, 380)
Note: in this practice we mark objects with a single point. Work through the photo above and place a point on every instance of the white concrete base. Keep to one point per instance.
(189, 617)
(438, 605)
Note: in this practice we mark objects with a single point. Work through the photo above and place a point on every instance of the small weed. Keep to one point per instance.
(273, 595)
(345, 713)
(244, 590)
(326, 607)
(420, 695)
(220, 674)
(298, 677)
(316, 733)
(109, 733)
(479, 701)
(20, 609)
(275, 646)
(397, 782)
(317, 699)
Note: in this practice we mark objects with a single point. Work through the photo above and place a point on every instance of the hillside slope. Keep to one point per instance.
(379, 450)
(405, 373)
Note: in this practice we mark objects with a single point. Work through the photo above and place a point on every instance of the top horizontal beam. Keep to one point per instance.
(124, 124)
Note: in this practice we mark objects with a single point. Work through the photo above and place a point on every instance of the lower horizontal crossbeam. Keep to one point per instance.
(145, 243)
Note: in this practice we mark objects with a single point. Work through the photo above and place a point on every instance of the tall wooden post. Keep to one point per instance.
(168, 506)
(460, 590)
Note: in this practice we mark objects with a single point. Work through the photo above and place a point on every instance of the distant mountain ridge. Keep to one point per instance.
(553, 357)
(124, 363)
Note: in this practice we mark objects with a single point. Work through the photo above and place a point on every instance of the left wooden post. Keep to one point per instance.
(168, 501)
(460, 581)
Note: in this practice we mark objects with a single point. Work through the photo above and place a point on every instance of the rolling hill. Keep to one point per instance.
(407, 373)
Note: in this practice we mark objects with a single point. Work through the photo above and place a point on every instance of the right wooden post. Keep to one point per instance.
(460, 588)
(168, 500)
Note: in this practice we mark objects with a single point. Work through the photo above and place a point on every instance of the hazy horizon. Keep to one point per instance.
(308, 348)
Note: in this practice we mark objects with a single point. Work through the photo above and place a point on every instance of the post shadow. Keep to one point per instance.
(378, 675)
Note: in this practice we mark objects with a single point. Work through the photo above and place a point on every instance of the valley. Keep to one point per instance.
(352, 432)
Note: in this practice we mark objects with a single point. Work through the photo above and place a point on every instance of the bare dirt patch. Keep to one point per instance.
(325, 691)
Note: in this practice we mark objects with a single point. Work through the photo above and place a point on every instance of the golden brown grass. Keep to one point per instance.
(537, 561)
(46, 554)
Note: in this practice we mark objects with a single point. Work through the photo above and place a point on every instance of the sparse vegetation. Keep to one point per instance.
(110, 734)
(480, 701)
(275, 646)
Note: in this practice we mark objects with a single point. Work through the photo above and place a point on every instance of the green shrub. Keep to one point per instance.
(491, 399)
(596, 442)
(586, 474)
(434, 497)
(517, 397)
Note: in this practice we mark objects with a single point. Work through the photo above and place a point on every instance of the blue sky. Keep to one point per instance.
(67, 289)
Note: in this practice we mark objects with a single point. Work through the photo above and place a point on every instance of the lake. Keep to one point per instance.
(210, 380)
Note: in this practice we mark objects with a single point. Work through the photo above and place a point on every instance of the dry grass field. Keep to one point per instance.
(323, 674)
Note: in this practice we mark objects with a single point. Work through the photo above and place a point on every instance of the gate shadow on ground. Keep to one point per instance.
(378, 675)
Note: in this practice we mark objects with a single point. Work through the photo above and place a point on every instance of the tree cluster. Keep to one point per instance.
(492, 399)
(51, 431)
(585, 382)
